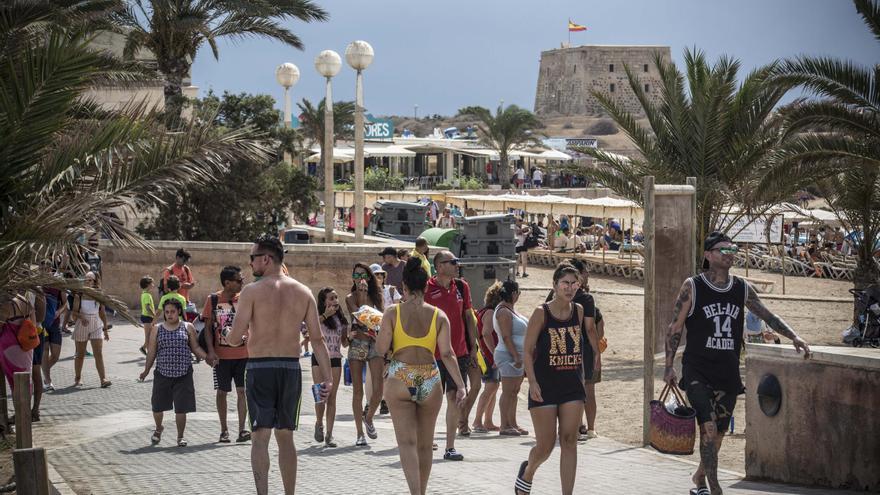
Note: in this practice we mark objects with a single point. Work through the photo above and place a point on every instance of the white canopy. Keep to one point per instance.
(340, 155)
(550, 204)
(552, 154)
(393, 150)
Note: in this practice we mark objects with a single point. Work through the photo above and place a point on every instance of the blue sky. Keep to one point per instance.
(443, 55)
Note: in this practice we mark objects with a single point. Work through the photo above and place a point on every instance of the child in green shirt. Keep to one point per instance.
(148, 309)
(172, 286)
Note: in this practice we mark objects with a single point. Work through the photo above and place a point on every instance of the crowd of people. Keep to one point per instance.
(421, 340)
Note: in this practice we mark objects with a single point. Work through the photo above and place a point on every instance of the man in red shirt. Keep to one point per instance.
(229, 362)
(453, 296)
(182, 271)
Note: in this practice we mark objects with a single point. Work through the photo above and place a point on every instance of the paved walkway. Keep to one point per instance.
(98, 442)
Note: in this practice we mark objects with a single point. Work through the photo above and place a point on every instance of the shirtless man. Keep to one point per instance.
(272, 311)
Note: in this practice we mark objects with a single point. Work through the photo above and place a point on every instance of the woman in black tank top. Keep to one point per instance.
(554, 366)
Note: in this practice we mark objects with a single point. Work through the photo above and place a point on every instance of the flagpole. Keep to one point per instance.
(568, 28)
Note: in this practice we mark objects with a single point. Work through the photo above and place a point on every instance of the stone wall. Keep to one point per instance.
(316, 265)
(827, 431)
(567, 75)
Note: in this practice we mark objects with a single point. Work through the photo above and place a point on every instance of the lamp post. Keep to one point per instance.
(287, 74)
(359, 55)
(328, 63)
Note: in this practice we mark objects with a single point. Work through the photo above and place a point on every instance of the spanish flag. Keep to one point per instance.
(572, 27)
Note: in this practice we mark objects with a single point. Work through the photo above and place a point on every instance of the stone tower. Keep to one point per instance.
(567, 75)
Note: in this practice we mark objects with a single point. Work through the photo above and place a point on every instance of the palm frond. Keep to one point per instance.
(870, 12)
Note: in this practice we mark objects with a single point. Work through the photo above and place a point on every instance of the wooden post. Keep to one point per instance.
(747, 259)
(648, 378)
(4, 412)
(22, 398)
(31, 471)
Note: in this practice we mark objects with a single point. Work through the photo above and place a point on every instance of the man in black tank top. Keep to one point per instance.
(712, 307)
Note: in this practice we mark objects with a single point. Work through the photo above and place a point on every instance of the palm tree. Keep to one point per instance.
(835, 141)
(511, 127)
(175, 30)
(69, 169)
(705, 126)
(312, 120)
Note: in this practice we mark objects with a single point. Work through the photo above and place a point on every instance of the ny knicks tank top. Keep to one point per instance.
(558, 357)
(715, 334)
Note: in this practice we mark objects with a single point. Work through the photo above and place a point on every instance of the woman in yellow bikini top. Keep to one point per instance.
(411, 381)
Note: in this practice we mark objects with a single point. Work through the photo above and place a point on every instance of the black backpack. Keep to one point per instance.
(203, 342)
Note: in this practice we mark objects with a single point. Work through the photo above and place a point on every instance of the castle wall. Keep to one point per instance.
(567, 75)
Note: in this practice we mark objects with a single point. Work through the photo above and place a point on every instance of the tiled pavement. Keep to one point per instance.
(98, 443)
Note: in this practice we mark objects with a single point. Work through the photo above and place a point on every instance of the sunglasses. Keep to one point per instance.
(360, 276)
(727, 250)
(453, 261)
(255, 256)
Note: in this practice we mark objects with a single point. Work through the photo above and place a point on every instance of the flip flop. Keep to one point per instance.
(510, 432)
(700, 490)
(224, 437)
(522, 431)
(106, 383)
(480, 429)
(521, 485)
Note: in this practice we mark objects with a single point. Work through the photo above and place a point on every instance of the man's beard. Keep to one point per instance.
(258, 273)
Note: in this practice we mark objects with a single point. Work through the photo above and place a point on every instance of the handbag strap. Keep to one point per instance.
(678, 395)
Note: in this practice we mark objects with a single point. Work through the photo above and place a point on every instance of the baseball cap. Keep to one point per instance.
(711, 240)
(376, 268)
(390, 251)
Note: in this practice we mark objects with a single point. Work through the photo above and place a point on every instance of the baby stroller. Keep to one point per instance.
(866, 332)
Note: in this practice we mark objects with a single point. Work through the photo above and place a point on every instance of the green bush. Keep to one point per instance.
(345, 186)
(378, 179)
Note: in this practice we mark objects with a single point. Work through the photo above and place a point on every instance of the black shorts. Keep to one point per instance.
(334, 362)
(274, 392)
(519, 249)
(173, 393)
(38, 351)
(710, 404)
(446, 379)
(555, 398)
(54, 330)
(146, 319)
(227, 371)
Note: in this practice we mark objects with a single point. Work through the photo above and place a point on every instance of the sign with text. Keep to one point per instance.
(378, 129)
(753, 229)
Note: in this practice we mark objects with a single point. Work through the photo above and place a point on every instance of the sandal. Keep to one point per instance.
(106, 383)
(181, 442)
(700, 490)
(493, 428)
(480, 429)
(329, 442)
(224, 437)
(521, 485)
(319, 432)
(157, 436)
(510, 432)
(243, 436)
(464, 431)
(522, 431)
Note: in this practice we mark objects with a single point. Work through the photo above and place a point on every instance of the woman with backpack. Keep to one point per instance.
(90, 326)
(18, 316)
(488, 339)
(171, 345)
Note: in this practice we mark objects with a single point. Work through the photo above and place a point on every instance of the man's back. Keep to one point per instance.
(279, 305)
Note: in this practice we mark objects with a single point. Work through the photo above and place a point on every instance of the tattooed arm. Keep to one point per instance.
(676, 327)
(753, 302)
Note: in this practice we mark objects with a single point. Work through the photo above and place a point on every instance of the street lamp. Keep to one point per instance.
(359, 55)
(287, 74)
(328, 63)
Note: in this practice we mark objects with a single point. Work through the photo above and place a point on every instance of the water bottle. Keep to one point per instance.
(346, 371)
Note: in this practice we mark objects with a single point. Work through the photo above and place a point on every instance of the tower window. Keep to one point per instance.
(645, 67)
(611, 68)
(575, 69)
(611, 88)
(647, 88)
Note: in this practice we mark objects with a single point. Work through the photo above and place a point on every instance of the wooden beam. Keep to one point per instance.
(648, 368)
(22, 398)
(31, 471)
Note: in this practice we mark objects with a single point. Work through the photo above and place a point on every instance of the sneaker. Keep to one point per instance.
(371, 430)
(592, 434)
(89, 354)
(453, 455)
(361, 441)
(48, 387)
(307, 354)
(383, 407)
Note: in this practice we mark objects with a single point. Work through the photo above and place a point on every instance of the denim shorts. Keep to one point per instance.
(504, 362)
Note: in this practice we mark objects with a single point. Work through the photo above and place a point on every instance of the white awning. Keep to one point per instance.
(340, 155)
(550, 204)
(393, 150)
(554, 155)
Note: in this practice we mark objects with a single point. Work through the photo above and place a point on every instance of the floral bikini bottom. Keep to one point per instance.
(420, 379)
